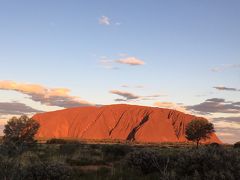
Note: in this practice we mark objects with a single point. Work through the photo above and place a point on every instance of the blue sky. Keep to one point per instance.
(181, 49)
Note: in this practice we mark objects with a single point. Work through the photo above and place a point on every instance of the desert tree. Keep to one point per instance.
(199, 129)
(19, 133)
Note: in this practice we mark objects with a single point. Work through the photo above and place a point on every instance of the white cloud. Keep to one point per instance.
(136, 86)
(108, 64)
(170, 105)
(104, 20)
(225, 67)
(225, 134)
(224, 124)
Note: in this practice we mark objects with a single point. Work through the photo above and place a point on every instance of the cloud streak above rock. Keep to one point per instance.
(170, 105)
(216, 105)
(223, 88)
(127, 96)
(225, 67)
(16, 108)
(48, 96)
(228, 128)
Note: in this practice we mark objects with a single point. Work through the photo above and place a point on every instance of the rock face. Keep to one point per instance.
(122, 122)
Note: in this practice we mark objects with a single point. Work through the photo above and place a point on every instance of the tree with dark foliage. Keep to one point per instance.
(199, 129)
(19, 133)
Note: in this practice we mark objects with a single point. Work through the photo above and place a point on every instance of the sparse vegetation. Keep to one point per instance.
(118, 161)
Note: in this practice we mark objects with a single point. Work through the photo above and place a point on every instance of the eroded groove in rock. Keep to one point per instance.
(131, 136)
(110, 132)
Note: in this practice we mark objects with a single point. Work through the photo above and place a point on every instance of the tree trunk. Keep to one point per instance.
(197, 144)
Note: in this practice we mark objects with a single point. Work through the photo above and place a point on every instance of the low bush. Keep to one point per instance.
(237, 145)
(115, 152)
(9, 168)
(204, 163)
(66, 149)
(62, 141)
(150, 161)
(209, 163)
(49, 170)
(214, 145)
(13, 150)
(28, 166)
(84, 161)
(56, 141)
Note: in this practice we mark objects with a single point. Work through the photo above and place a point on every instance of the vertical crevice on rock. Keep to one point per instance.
(131, 136)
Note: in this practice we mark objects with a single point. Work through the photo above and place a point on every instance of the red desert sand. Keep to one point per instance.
(117, 122)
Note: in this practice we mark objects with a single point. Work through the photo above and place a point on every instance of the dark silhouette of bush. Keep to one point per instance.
(214, 144)
(83, 161)
(62, 141)
(115, 151)
(237, 145)
(66, 149)
(9, 168)
(56, 141)
(143, 161)
(148, 161)
(204, 163)
(199, 129)
(19, 134)
(24, 167)
(47, 170)
(208, 163)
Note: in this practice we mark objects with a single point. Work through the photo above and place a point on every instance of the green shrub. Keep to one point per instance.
(67, 149)
(9, 168)
(209, 163)
(150, 161)
(115, 151)
(237, 145)
(49, 170)
(28, 166)
(214, 145)
(84, 161)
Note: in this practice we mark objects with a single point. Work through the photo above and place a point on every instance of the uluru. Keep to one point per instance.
(117, 122)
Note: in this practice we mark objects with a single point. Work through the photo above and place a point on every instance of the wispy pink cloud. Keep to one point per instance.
(133, 61)
(49, 96)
